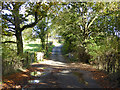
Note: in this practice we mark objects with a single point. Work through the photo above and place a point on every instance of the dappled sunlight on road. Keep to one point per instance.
(52, 63)
(54, 72)
(56, 43)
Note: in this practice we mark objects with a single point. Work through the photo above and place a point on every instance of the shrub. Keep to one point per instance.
(11, 61)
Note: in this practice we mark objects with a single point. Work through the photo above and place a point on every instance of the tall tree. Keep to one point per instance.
(77, 21)
(15, 21)
(83, 18)
(42, 30)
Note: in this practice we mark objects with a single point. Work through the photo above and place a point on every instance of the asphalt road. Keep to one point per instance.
(57, 74)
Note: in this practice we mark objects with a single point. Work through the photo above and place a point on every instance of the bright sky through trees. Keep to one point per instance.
(22, 11)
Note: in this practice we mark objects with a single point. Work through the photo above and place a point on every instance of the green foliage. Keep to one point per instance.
(48, 53)
(88, 30)
(42, 31)
(106, 46)
(92, 48)
(21, 21)
(33, 47)
(28, 35)
(10, 60)
(65, 48)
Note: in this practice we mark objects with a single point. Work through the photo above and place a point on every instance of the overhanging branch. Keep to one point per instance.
(10, 31)
(9, 42)
(31, 25)
(104, 14)
(92, 21)
(8, 34)
(36, 20)
(10, 20)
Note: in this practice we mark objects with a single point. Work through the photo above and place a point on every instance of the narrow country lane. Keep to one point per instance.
(58, 74)
(60, 44)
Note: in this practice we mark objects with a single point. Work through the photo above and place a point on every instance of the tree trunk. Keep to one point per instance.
(18, 37)
(43, 42)
(108, 65)
(18, 31)
(47, 46)
(98, 62)
(19, 43)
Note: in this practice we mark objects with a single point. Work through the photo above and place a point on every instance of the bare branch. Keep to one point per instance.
(103, 14)
(8, 34)
(9, 42)
(30, 25)
(92, 21)
(11, 29)
(36, 20)
(10, 20)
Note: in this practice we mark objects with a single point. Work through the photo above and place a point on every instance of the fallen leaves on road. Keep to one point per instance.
(18, 79)
(99, 76)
